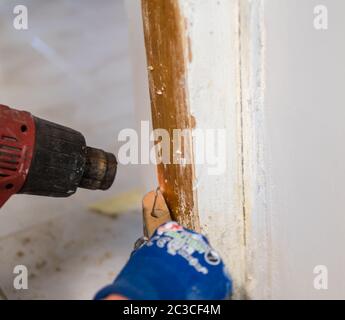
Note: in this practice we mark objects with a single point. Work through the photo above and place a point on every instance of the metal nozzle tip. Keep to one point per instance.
(100, 170)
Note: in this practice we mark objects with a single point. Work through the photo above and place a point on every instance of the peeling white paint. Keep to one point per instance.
(258, 238)
(213, 96)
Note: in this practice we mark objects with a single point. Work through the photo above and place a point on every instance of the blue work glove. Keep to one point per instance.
(175, 264)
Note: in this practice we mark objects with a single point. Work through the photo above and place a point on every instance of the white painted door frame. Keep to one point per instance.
(241, 54)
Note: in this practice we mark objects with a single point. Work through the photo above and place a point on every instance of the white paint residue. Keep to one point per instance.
(213, 88)
(257, 231)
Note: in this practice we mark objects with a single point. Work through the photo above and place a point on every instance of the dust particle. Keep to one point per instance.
(20, 254)
(41, 264)
(26, 241)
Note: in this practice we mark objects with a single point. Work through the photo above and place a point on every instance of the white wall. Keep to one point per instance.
(304, 153)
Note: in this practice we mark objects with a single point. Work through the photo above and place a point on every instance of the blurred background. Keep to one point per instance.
(72, 66)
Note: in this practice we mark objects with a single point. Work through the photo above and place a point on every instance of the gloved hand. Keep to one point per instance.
(175, 264)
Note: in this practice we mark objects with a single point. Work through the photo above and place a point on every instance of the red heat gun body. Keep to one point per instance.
(39, 157)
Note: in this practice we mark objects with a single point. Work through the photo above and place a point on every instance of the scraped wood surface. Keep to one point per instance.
(167, 57)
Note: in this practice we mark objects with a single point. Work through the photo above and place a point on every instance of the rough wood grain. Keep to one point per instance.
(168, 53)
